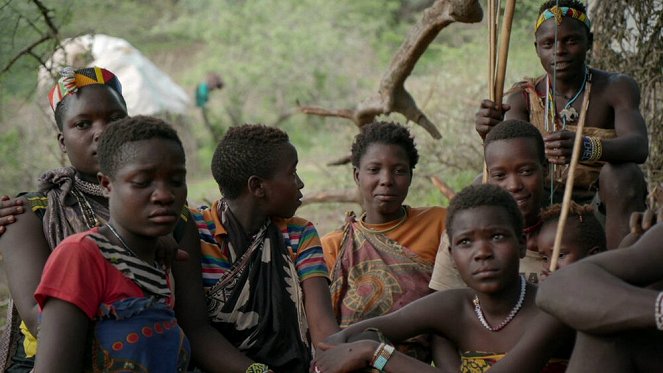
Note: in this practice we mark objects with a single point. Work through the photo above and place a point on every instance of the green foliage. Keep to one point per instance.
(276, 54)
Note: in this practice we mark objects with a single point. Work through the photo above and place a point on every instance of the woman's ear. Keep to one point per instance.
(355, 174)
(256, 186)
(594, 250)
(105, 183)
(61, 142)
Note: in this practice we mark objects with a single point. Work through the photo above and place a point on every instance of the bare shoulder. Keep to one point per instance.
(26, 229)
(449, 301)
(615, 85)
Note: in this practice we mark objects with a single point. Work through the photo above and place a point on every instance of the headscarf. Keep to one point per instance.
(71, 80)
(559, 12)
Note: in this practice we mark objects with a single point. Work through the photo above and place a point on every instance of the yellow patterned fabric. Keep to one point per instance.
(480, 362)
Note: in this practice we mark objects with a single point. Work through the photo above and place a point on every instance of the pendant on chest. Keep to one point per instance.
(568, 115)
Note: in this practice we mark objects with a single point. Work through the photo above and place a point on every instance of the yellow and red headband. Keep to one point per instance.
(562, 11)
(71, 80)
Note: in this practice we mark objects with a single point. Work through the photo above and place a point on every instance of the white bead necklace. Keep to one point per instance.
(512, 314)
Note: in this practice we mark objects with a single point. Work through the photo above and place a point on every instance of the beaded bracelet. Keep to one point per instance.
(592, 149)
(598, 148)
(658, 311)
(258, 368)
(381, 356)
(587, 148)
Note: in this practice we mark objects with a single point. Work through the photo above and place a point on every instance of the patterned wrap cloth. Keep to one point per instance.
(71, 80)
(257, 303)
(375, 275)
(128, 301)
(480, 362)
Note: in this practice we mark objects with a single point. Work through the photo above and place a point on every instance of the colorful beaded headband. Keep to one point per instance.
(71, 80)
(562, 11)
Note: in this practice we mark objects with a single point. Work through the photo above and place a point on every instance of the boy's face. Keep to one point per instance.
(514, 166)
(86, 115)
(148, 191)
(572, 46)
(383, 177)
(569, 252)
(283, 189)
(485, 248)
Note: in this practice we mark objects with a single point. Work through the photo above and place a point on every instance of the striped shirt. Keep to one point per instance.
(300, 236)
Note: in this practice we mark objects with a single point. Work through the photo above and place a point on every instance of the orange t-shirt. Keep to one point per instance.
(420, 233)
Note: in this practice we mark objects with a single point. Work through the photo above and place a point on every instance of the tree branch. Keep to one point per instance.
(392, 95)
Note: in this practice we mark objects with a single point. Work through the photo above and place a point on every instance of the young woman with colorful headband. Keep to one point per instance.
(69, 199)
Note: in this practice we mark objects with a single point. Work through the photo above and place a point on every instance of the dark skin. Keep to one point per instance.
(262, 198)
(570, 250)
(614, 104)
(613, 278)
(486, 250)
(384, 176)
(152, 189)
(612, 337)
(24, 252)
(8, 209)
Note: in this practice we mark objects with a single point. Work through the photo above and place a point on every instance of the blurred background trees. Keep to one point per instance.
(274, 55)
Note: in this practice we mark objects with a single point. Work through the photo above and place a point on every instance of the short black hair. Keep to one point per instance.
(63, 105)
(590, 232)
(245, 151)
(484, 195)
(515, 129)
(112, 152)
(387, 133)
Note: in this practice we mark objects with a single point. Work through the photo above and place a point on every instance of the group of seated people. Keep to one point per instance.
(111, 270)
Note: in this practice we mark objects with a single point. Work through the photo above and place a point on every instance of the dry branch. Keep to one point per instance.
(348, 195)
(443, 187)
(341, 161)
(392, 95)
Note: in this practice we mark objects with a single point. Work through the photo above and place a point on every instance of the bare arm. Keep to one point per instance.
(418, 317)
(591, 295)
(541, 341)
(209, 348)
(488, 115)
(350, 357)
(631, 143)
(62, 336)
(317, 302)
(24, 253)
(445, 354)
(9, 208)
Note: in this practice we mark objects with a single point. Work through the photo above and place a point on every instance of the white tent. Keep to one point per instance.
(146, 89)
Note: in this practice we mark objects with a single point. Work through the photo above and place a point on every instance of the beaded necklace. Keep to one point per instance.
(568, 113)
(89, 216)
(88, 187)
(512, 314)
(386, 230)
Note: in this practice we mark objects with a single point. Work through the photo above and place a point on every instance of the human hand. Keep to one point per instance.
(488, 116)
(168, 251)
(559, 146)
(346, 357)
(9, 208)
(639, 223)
